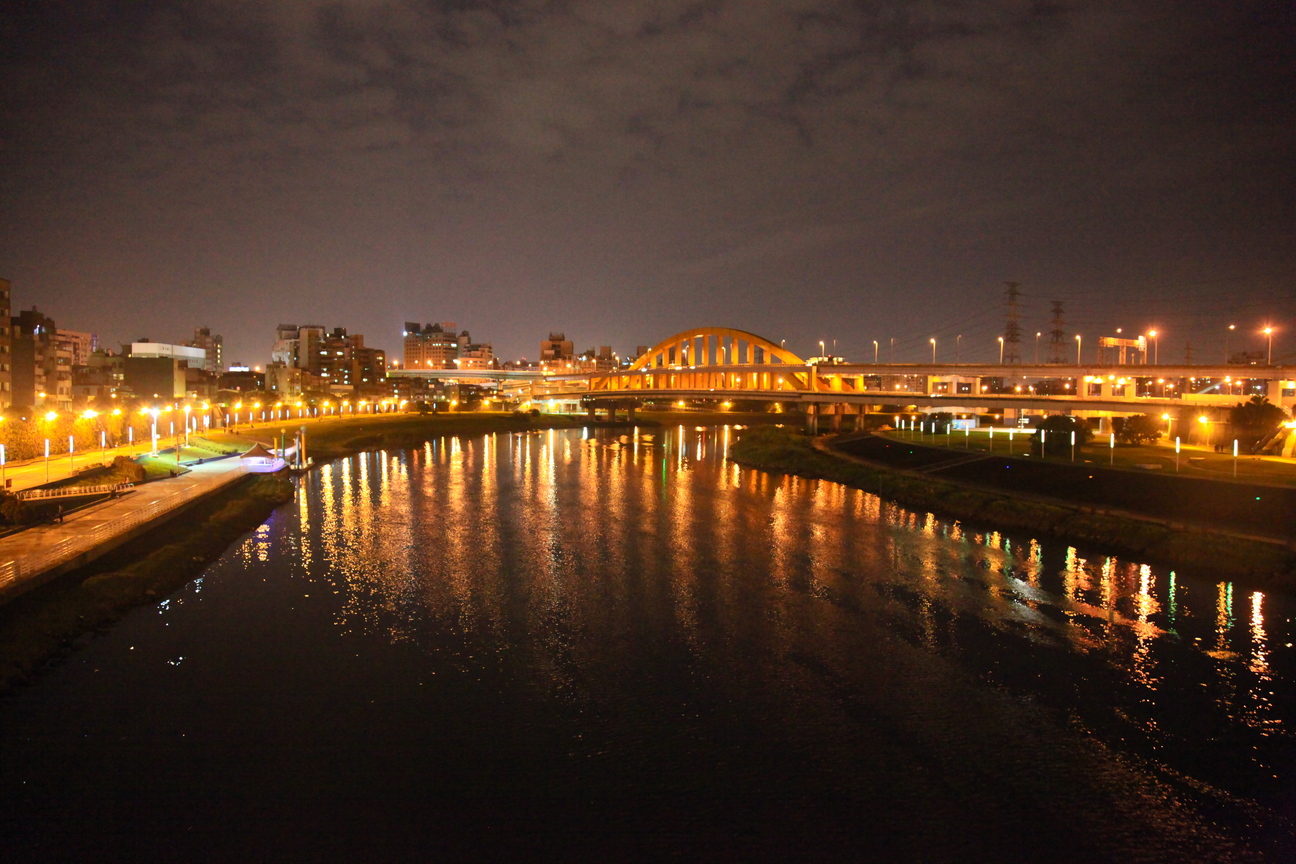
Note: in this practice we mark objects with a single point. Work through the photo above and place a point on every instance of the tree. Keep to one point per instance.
(1053, 437)
(1140, 429)
(1259, 415)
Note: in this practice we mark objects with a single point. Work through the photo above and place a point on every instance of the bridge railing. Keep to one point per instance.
(72, 491)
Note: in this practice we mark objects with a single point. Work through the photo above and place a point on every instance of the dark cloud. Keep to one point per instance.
(624, 169)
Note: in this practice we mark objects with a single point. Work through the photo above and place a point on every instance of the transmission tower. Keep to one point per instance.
(1188, 354)
(1057, 336)
(1012, 329)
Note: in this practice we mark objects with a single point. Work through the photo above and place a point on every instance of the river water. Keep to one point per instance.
(573, 645)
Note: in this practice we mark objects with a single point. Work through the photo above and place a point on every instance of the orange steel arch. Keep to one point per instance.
(768, 348)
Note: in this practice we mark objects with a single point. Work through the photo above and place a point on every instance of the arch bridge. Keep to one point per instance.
(711, 359)
(724, 363)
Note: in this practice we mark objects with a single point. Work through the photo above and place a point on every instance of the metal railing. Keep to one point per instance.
(25, 567)
(70, 491)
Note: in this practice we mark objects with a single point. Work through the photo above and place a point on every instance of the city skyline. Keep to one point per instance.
(800, 170)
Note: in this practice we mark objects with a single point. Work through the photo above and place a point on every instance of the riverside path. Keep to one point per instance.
(38, 554)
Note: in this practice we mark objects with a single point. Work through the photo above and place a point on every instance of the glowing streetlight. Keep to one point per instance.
(1079, 342)
(1156, 348)
(1268, 332)
(1037, 335)
(1001, 350)
(1227, 334)
(933, 343)
(875, 352)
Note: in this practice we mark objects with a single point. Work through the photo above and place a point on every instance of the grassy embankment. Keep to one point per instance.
(789, 452)
(47, 622)
(1195, 460)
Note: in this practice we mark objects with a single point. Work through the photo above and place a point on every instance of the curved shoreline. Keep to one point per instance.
(49, 622)
(1271, 564)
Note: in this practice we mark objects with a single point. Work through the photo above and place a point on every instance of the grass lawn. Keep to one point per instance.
(1194, 461)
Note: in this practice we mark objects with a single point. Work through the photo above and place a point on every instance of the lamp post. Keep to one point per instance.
(933, 343)
(1000, 350)
(1156, 348)
(958, 347)
(875, 352)
(1079, 343)
(1268, 332)
(1227, 334)
(46, 460)
(1037, 335)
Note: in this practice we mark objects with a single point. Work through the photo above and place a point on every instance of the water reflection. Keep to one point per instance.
(554, 542)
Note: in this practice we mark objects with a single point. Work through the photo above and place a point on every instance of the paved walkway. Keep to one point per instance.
(31, 557)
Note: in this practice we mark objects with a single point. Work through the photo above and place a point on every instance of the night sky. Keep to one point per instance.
(624, 170)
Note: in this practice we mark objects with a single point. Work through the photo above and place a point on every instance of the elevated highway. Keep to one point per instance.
(723, 363)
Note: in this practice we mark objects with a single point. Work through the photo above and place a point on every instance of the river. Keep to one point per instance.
(578, 645)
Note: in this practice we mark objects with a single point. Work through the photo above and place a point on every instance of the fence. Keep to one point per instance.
(71, 491)
(26, 567)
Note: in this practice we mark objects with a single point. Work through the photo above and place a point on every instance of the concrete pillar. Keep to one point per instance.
(837, 417)
(630, 412)
(812, 418)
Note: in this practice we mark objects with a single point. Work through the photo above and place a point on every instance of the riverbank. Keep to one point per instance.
(787, 452)
(51, 620)
(336, 438)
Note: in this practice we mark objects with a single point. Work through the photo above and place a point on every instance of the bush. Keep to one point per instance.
(1054, 435)
(14, 511)
(129, 470)
(1140, 429)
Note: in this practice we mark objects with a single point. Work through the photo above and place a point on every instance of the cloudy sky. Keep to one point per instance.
(805, 169)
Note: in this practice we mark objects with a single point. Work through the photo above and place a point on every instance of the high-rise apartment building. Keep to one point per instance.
(343, 364)
(213, 345)
(556, 352)
(6, 347)
(476, 355)
(42, 362)
(433, 346)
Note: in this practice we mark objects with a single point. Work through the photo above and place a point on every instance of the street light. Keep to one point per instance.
(1037, 335)
(875, 352)
(1000, 350)
(1079, 343)
(1231, 328)
(1268, 332)
(933, 341)
(1156, 348)
(958, 346)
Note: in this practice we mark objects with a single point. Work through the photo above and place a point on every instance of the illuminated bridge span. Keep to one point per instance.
(723, 363)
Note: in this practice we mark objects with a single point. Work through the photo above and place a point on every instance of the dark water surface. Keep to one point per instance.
(552, 646)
